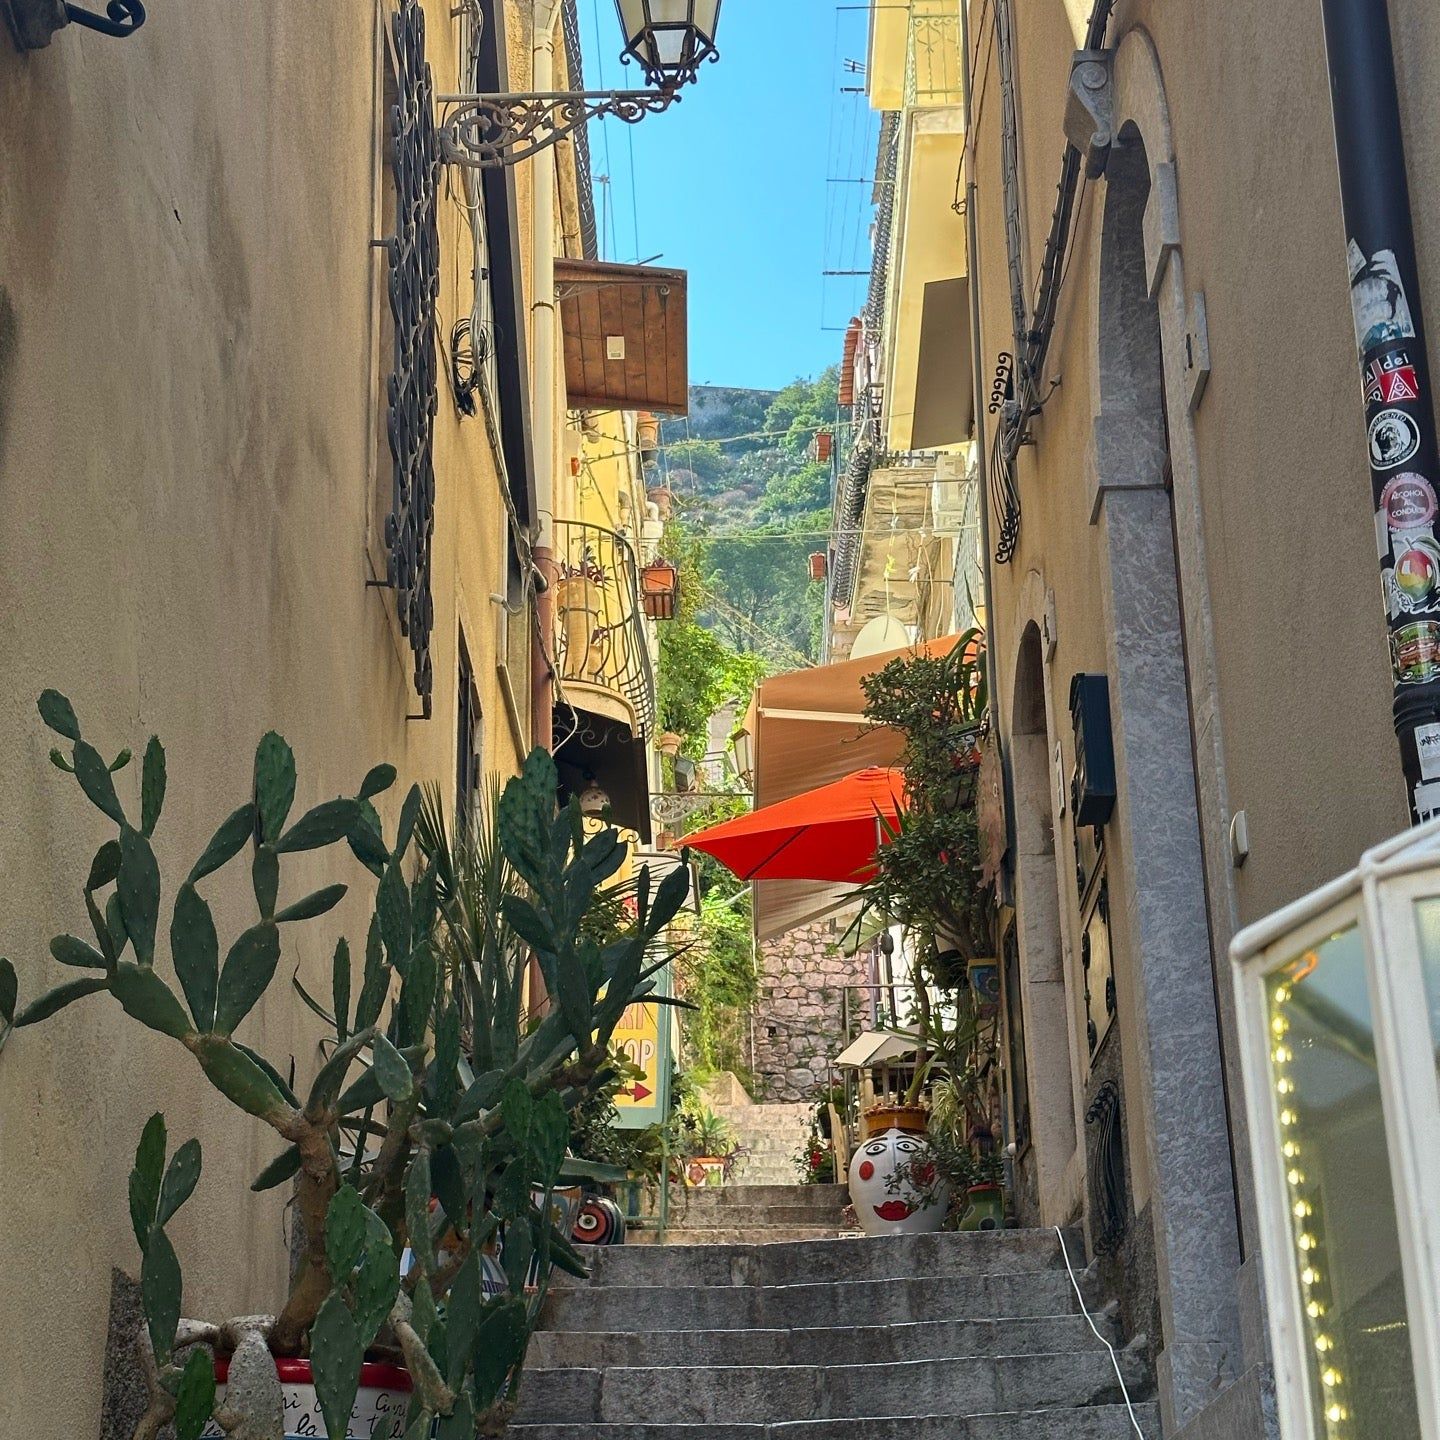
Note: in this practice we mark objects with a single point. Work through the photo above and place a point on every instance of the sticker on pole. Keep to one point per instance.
(1377, 293)
(1408, 502)
(1391, 380)
(1394, 439)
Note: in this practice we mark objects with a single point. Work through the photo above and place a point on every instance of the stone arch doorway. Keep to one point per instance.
(1045, 1167)
(1173, 1080)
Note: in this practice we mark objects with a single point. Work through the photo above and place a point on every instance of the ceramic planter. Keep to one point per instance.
(379, 1412)
(912, 1119)
(896, 1186)
(704, 1172)
(986, 1210)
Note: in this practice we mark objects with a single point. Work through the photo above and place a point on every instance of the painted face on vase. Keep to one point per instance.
(895, 1186)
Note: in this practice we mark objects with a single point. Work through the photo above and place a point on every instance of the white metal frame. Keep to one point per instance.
(1378, 898)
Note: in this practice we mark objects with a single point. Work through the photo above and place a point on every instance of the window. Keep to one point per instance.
(407, 176)
(1015, 1040)
(1095, 957)
(469, 739)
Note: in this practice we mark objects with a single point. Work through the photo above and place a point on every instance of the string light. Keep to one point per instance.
(1315, 1299)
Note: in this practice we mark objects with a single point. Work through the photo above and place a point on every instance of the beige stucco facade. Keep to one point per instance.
(191, 406)
(1197, 527)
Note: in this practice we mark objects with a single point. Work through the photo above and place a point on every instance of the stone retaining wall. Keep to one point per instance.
(799, 1013)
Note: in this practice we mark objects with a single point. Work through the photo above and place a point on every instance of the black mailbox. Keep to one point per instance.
(1092, 789)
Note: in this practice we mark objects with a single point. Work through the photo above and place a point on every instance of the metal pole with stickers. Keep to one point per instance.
(1390, 340)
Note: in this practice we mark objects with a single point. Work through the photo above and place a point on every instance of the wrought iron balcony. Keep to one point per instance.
(601, 644)
(932, 54)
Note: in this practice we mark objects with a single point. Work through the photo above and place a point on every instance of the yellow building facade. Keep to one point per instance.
(208, 538)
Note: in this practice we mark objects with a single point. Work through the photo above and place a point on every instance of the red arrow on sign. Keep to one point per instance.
(640, 1093)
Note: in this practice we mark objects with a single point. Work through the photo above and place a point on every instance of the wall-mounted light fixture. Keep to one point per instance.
(33, 22)
(669, 39)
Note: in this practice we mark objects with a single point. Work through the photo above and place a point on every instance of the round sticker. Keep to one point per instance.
(1416, 650)
(1408, 501)
(1416, 574)
(1394, 438)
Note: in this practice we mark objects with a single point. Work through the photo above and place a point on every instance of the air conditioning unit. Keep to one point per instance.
(950, 493)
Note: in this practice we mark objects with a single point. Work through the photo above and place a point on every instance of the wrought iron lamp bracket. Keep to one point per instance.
(34, 22)
(121, 17)
(488, 131)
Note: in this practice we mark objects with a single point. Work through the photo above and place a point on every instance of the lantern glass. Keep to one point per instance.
(1344, 1235)
(670, 39)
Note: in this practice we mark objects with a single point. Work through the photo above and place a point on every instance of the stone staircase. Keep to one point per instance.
(772, 1133)
(924, 1337)
(753, 1214)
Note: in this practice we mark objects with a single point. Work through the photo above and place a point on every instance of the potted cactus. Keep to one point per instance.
(424, 1152)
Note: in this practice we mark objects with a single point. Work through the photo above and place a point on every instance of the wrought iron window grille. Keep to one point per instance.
(412, 388)
(1109, 1200)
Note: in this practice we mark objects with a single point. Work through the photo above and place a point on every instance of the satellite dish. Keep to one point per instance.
(882, 633)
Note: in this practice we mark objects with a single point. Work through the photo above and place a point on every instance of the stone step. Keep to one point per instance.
(688, 1235)
(742, 1306)
(738, 1216)
(710, 1394)
(744, 1193)
(1099, 1422)
(822, 1345)
(846, 1258)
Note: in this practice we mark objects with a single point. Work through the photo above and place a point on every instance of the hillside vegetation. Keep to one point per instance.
(750, 491)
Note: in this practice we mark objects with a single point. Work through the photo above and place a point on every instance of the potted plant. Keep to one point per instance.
(709, 1152)
(424, 1152)
(985, 1192)
(927, 874)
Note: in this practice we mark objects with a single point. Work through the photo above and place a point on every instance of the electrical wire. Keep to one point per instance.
(1084, 1310)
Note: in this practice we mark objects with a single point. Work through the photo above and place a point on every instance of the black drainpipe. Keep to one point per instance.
(1390, 339)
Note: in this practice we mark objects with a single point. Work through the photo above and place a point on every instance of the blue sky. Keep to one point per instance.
(734, 185)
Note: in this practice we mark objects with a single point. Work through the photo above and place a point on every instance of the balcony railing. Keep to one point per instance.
(600, 635)
(932, 54)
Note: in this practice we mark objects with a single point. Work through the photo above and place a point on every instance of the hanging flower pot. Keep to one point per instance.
(669, 743)
(660, 589)
(378, 1414)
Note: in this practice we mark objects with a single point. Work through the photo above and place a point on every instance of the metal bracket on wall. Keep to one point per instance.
(33, 22)
(1090, 108)
(484, 131)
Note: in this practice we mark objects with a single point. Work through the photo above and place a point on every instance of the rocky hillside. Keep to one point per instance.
(745, 471)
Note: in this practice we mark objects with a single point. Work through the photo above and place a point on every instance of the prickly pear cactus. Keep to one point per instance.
(433, 1135)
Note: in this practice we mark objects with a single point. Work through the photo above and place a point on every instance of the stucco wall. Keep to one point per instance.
(187, 295)
(1287, 668)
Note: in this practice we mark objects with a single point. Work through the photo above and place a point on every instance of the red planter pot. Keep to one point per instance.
(379, 1411)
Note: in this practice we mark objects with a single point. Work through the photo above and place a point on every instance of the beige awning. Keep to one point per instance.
(808, 729)
(944, 389)
(876, 1047)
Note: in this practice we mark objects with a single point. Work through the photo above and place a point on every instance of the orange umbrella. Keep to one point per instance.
(827, 834)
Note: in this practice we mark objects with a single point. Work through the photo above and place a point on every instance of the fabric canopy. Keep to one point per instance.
(827, 834)
(808, 728)
(876, 1047)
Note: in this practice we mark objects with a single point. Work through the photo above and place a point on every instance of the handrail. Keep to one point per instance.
(600, 636)
(1085, 1311)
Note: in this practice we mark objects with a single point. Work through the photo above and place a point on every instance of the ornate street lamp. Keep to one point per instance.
(669, 39)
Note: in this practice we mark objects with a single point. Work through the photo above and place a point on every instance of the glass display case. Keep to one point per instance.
(1338, 1003)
